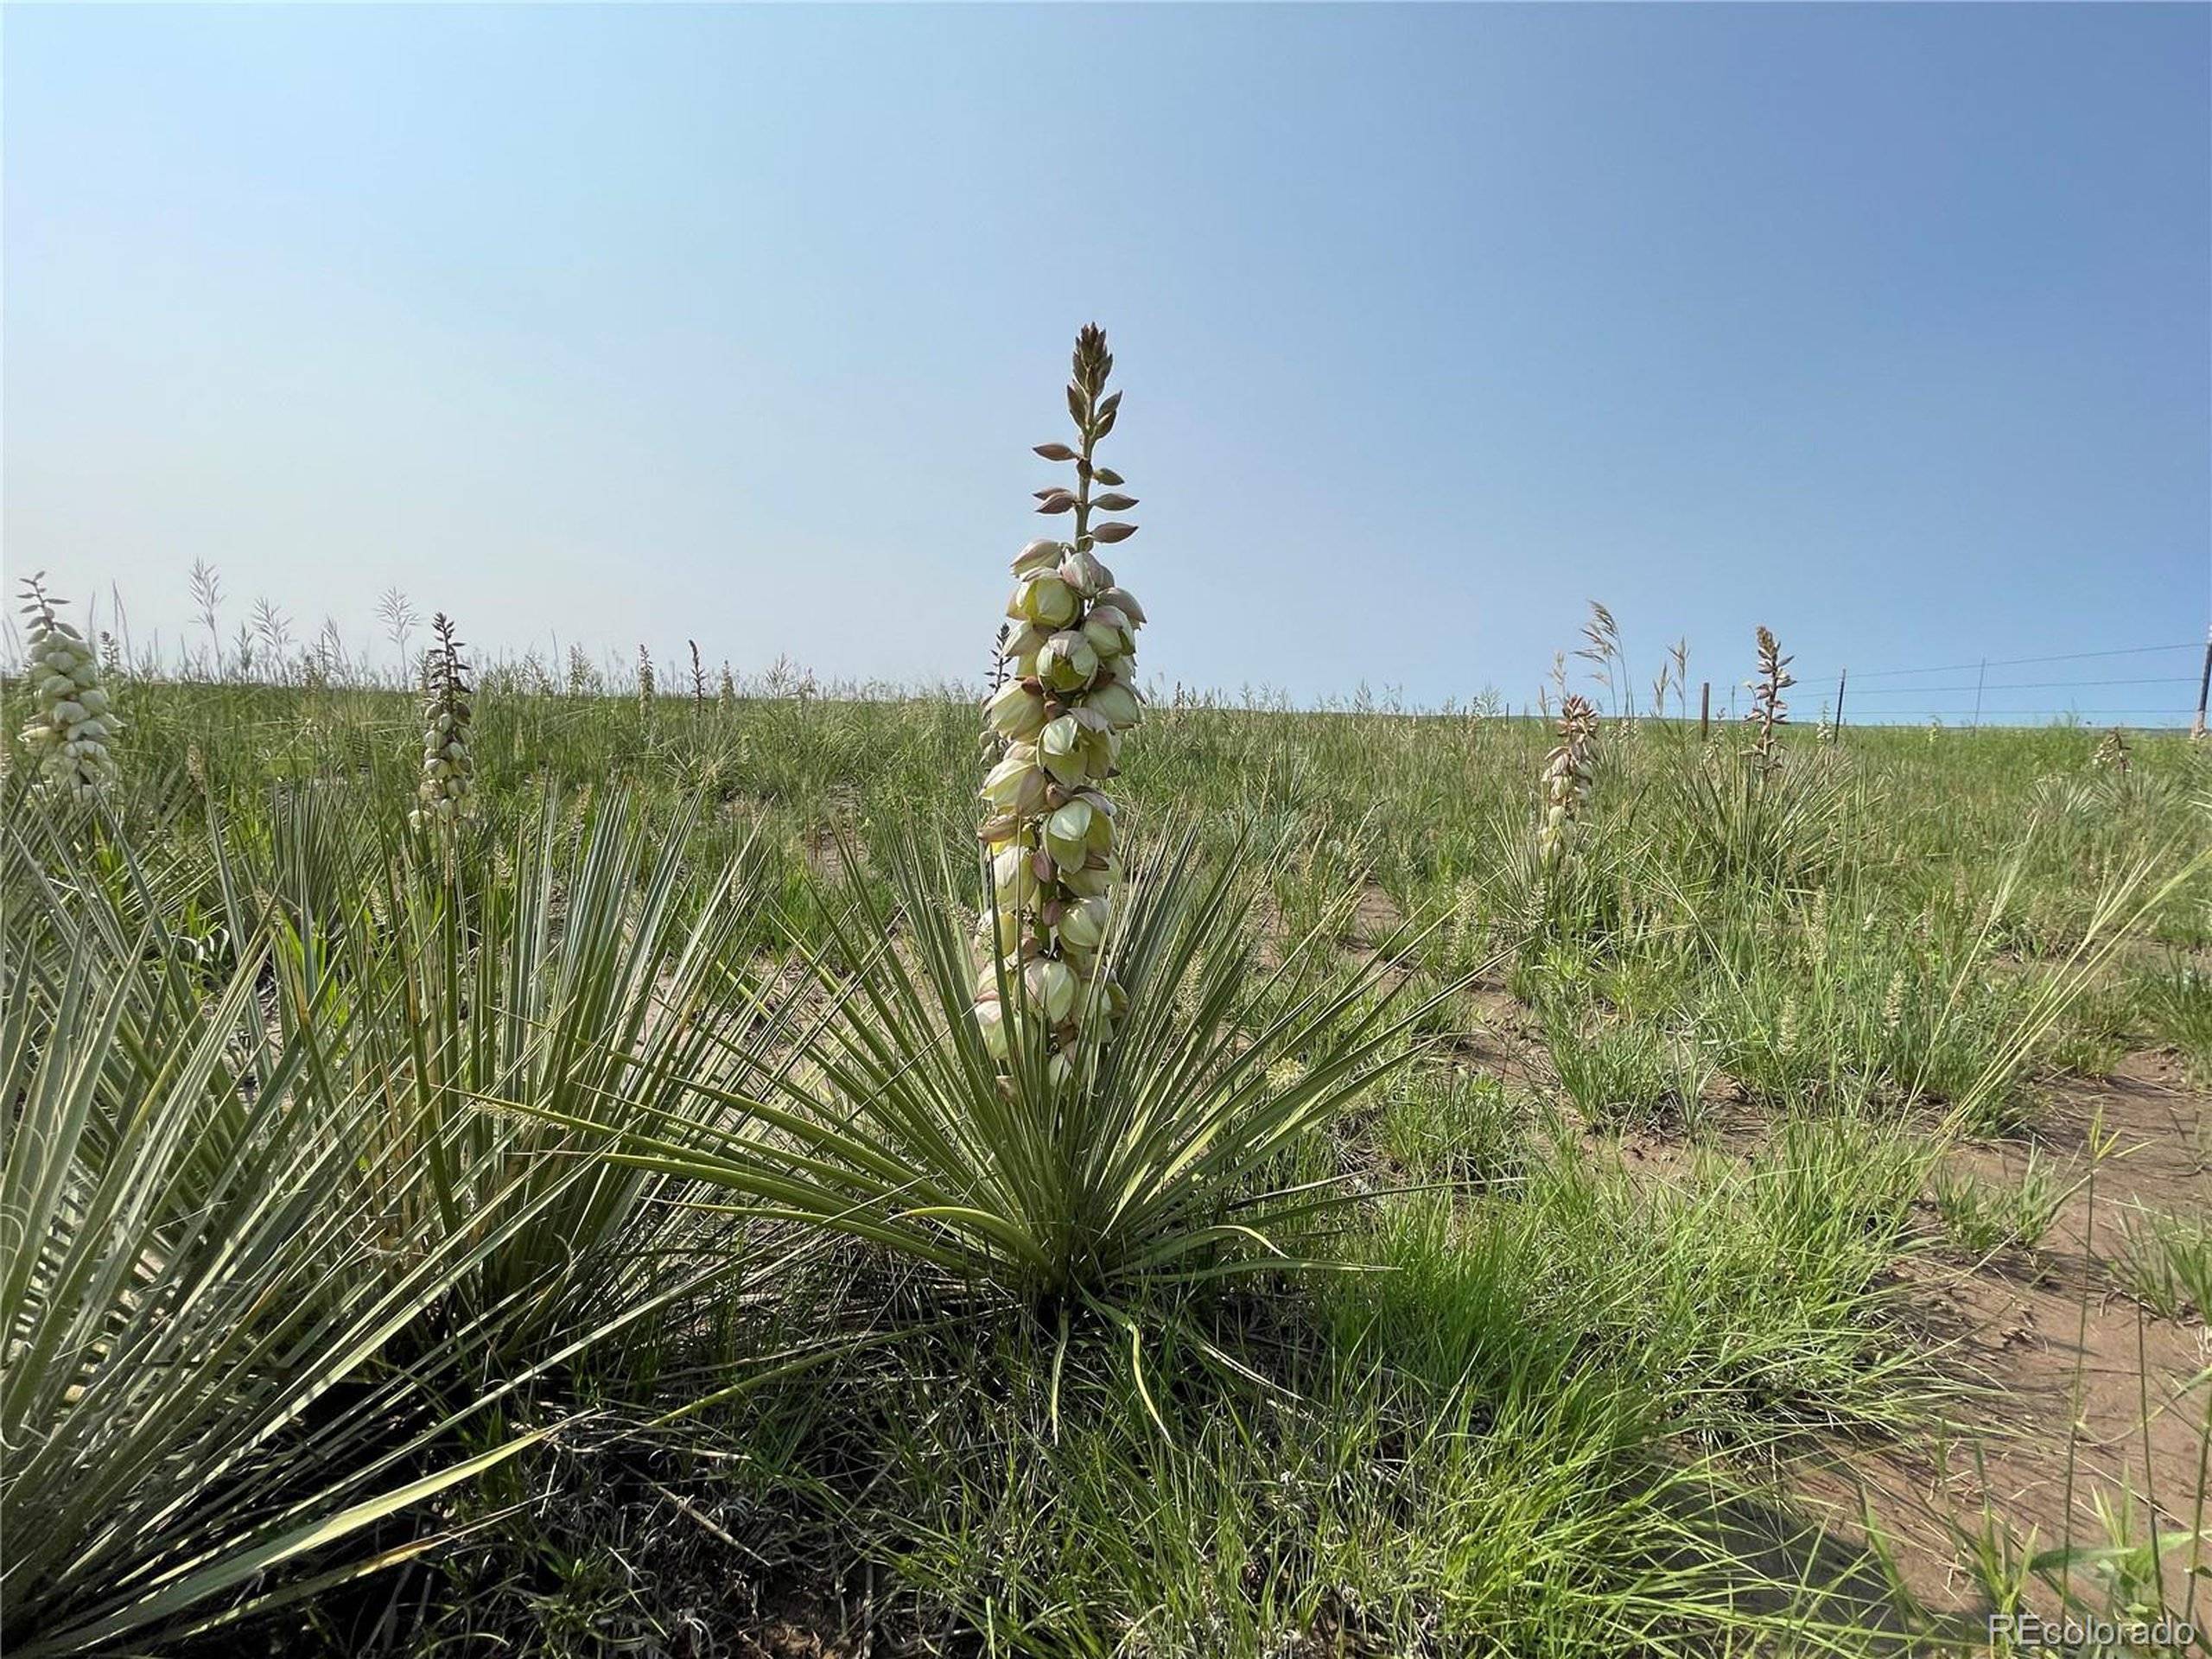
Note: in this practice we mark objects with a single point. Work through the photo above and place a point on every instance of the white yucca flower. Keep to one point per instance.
(1056, 721)
(447, 791)
(71, 722)
(1566, 782)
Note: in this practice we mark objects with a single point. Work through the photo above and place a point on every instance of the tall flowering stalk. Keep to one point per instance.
(448, 770)
(1566, 782)
(72, 721)
(1068, 695)
(2111, 753)
(1767, 711)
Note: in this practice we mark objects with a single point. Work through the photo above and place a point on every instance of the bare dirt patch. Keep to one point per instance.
(2086, 1402)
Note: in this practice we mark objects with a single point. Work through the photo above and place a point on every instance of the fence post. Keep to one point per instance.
(1705, 705)
(1979, 677)
(2203, 685)
(1840, 681)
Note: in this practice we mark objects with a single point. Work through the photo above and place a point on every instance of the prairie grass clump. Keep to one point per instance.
(2165, 1262)
(68, 731)
(447, 790)
(1981, 1216)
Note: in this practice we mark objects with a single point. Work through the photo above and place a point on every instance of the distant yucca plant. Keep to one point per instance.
(647, 689)
(2111, 753)
(1767, 711)
(448, 769)
(1566, 782)
(68, 731)
(1070, 694)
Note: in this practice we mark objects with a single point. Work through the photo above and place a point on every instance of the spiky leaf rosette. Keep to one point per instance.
(72, 721)
(1056, 720)
(1567, 781)
(448, 770)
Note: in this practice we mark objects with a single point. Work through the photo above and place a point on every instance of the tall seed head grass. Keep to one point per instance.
(71, 724)
(1055, 723)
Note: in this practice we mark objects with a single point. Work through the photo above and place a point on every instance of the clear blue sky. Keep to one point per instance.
(1891, 327)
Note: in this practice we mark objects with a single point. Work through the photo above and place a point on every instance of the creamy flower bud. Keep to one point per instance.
(1016, 784)
(1118, 703)
(1038, 556)
(1061, 745)
(1014, 881)
(1124, 601)
(1084, 924)
(1108, 632)
(1093, 883)
(1083, 572)
(1067, 662)
(1044, 599)
(1051, 986)
(1067, 833)
(1015, 710)
(990, 1024)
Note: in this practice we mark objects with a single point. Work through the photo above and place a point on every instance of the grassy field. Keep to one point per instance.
(568, 1235)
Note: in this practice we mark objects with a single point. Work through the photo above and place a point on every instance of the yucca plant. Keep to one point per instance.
(1768, 712)
(1567, 783)
(1056, 721)
(282, 1251)
(67, 734)
(1738, 821)
(448, 768)
(1090, 1112)
(196, 1390)
(905, 1127)
(575, 968)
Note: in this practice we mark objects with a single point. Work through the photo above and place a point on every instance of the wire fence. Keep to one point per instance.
(1991, 691)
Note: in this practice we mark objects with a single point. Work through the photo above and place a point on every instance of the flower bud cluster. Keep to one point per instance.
(1768, 710)
(446, 792)
(68, 731)
(1567, 781)
(1055, 724)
